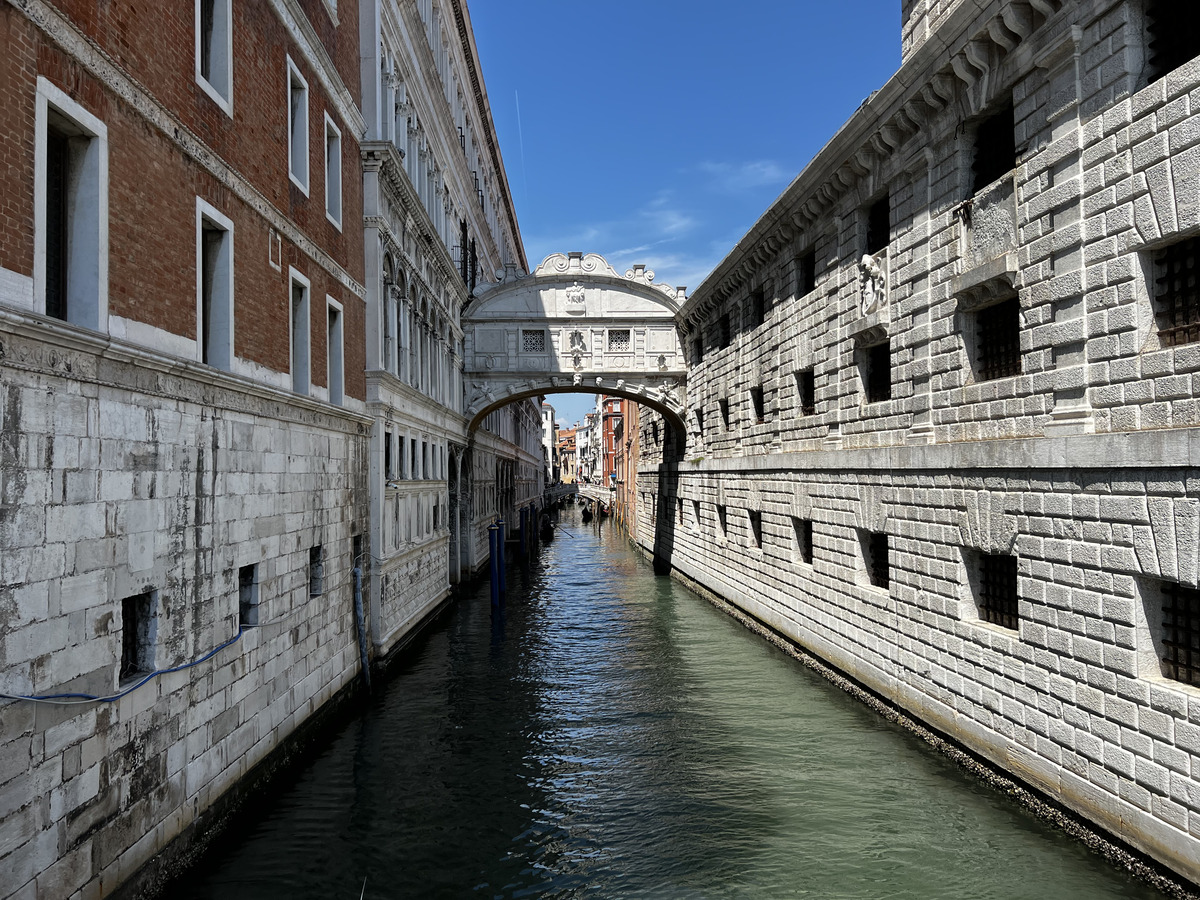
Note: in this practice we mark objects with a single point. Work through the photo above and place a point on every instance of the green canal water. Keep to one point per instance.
(614, 735)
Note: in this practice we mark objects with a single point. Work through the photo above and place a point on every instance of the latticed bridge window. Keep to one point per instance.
(533, 341)
(618, 340)
(1177, 292)
(1181, 633)
(997, 599)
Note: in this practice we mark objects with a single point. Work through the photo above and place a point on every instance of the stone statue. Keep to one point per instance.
(871, 289)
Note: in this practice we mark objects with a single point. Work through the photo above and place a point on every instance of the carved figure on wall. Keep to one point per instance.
(575, 300)
(578, 380)
(577, 342)
(871, 285)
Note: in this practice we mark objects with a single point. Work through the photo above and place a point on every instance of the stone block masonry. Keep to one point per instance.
(942, 412)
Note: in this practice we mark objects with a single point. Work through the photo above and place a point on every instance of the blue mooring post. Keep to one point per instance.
(524, 517)
(501, 554)
(494, 562)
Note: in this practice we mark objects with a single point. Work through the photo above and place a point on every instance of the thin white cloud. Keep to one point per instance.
(734, 177)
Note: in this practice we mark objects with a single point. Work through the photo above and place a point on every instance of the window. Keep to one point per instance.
(802, 529)
(806, 392)
(533, 341)
(214, 287)
(756, 308)
(70, 211)
(618, 340)
(700, 420)
(879, 225)
(696, 515)
(333, 172)
(723, 334)
(723, 407)
(755, 518)
(697, 350)
(297, 127)
(758, 404)
(248, 596)
(1173, 37)
(300, 359)
(214, 51)
(139, 630)
(680, 505)
(334, 348)
(875, 368)
(1177, 292)
(721, 523)
(806, 273)
(875, 557)
(995, 587)
(995, 148)
(316, 571)
(1180, 641)
(388, 467)
(997, 340)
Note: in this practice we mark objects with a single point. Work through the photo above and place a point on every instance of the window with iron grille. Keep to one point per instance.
(533, 341)
(758, 404)
(804, 534)
(806, 273)
(875, 365)
(756, 308)
(998, 340)
(723, 334)
(1172, 33)
(1177, 292)
(1180, 653)
(879, 226)
(139, 627)
(755, 518)
(618, 340)
(996, 589)
(995, 147)
(875, 557)
(806, 392)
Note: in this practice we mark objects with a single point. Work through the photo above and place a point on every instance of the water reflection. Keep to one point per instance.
(616, 736)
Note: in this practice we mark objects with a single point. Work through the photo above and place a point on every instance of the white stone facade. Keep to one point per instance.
(866, 502)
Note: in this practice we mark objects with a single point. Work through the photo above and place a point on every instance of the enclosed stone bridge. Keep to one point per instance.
(574, 325)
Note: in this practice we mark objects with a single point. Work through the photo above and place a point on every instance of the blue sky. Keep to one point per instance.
(658, 131)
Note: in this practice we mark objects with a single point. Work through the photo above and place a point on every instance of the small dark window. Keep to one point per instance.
(248, 596)
(755, 518)
(680, 510)
(207, 11)
(139, 626)
(877, 372)
(696, 513)
(1181, 633)
(700, 420)
(806, 273)
(995, 147)
(316, 571)
(998, 589)
(1174, 34)
(721, 519)
(804, 531)
(758, 404)
(723, 334)
(879, 226)
(1177, 292)
(388, 470)
(756, 308)
(998, 340)
(698, 350)
(875, 556)
(723, 406)
(58, 173)
(806, 392)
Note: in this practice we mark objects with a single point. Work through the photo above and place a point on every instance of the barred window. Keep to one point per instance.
(996, 589)
(875, 557)
(618, 340)
(806, 392)
(1177, 292)
(1181, 633)
(533, 341)
(998, 340)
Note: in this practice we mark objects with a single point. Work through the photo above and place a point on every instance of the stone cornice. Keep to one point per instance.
(958, 61)
(85, 51)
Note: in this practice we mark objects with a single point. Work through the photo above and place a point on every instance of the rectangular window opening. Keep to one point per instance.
(697, 350)
(721, 523)
(248, 596)
(1172, 35)
(316, 571)
(875, 558)
(995, 147)
(300, 349)
(139, 631)
(619, 340)
(879, 225)
(696, 514)
(723, 334)
(755, 518)
(806, 392)
(1177, 292)
(996, 595)
(723, 407)
(297, 127)
(533, 340)
(802, 528)
(758, 405)
(334, 350)
(388, 469)
(756, 308)
(875, 368)
(214, 265)
(214, 50)
(1180, 642)
(806, 273)
(333, 172)
(998, 340)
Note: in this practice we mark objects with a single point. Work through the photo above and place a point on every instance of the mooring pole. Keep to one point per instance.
(502, 555)
(524, 517)
(494, 562)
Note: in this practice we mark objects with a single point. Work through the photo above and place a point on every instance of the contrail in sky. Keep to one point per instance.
(521, 137)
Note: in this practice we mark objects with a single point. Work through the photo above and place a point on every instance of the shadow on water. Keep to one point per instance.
(609, 734)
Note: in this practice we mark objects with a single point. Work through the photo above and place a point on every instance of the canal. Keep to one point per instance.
(614, 735)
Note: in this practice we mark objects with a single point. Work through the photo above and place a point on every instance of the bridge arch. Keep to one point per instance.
(574, 325)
